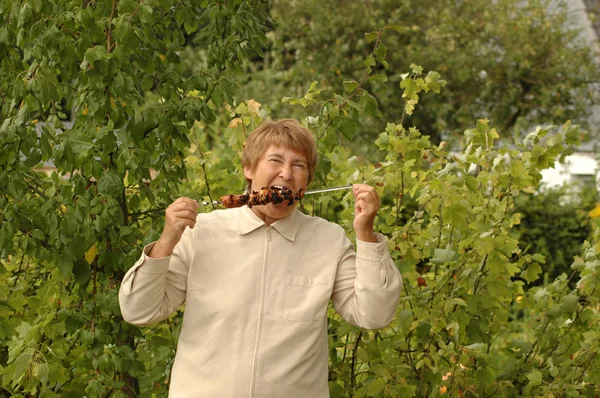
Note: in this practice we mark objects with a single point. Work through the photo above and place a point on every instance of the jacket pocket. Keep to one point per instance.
(306, 297)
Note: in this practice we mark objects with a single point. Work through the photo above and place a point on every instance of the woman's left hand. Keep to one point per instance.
(365, 209)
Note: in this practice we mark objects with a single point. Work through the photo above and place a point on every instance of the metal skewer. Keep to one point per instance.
(320, 190)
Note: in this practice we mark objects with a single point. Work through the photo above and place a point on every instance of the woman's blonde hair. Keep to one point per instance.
(285, 133)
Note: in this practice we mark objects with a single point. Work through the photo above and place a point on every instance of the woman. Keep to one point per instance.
(256, 281)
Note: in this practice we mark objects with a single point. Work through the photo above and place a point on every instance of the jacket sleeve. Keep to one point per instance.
(154, 288)
(367, 284)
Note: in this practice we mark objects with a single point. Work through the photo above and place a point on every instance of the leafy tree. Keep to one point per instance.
(98, 90)
(515, 62)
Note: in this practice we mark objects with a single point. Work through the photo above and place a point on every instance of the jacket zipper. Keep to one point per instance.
(260, 313)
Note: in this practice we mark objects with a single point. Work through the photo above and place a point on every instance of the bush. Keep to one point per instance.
(554, 226)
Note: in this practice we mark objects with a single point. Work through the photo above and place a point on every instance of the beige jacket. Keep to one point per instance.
(256, 298)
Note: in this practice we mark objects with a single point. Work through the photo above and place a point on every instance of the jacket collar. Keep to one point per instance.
(247, 222)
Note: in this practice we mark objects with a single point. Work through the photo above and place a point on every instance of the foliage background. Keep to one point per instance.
(555, 223)
(516, 63)
(135, 103)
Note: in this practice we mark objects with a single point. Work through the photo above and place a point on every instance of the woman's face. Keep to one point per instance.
(279, 166)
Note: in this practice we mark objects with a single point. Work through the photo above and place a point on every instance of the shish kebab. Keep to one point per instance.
(273, 194)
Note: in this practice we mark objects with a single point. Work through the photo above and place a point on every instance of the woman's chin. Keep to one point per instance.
(279, 210)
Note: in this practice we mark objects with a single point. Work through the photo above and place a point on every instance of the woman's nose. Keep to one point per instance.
(286, 172)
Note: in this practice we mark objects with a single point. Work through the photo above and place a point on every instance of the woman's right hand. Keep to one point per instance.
(180, 214)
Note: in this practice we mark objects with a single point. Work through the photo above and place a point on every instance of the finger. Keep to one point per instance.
(365, 211)
(367, 204)
(370, 198)
(361, 187)
(185, 199)
(185, 214)
(179, 215)
(181, 207)
(184, 202)
(357, 189)
(358, 207)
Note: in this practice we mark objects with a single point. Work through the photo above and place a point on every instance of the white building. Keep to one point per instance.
(579, 168)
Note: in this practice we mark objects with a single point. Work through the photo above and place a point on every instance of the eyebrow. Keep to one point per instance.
(294, 160)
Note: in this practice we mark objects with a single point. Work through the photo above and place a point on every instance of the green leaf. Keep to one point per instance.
(568, 305)
(94, 388)
(208, 114)
(65, 265)
(38, 234)
(191, 27)
(82, 272)
(532, 273)
(378, 78)
(127, 6)
(416, 69)
(371, 36)
(94, 55)
(380, 52)
(45, 146)
(350, 85)
(376, 387)
(122, 27)
(539, 258)
(347, 127)
(443, 256)
(25, 15)
(369, 104)
(485, 377)
(535, 377)
(410, 88)
(145, 13)
(433, 81)
(383, 140)
(23, 115)
(454, 302)
(397, 28)
(5, 304)
(471, 183)
(40, 372)
(147, 83)
(22, 363)
(110, 184)
(477, 347)
(23, 329)
(370, 61)
(456, 213)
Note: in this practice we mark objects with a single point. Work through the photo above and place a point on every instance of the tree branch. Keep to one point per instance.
(136, 10)
(354, 357)
(109, 31)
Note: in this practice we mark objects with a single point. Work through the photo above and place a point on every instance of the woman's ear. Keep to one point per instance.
(248, 173)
